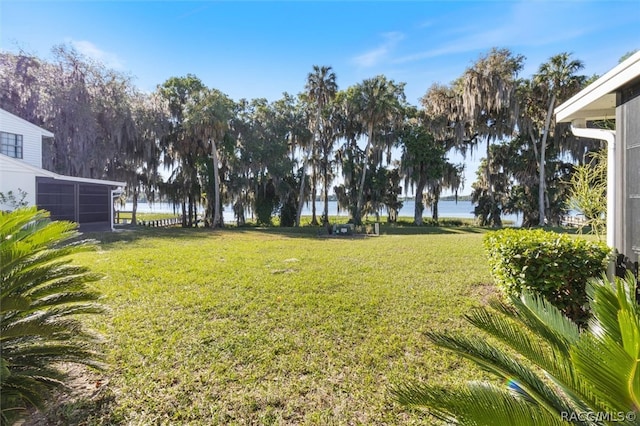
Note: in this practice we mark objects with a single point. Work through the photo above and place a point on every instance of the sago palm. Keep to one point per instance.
(554, 373)
(41, 296)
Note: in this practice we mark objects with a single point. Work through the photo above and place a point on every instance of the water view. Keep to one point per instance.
(447, 209)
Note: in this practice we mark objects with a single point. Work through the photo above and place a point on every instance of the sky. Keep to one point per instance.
(260, 49)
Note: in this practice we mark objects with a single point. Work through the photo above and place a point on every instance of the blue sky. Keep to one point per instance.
(263, 48)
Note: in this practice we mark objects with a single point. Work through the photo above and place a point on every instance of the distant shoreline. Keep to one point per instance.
(143, 199)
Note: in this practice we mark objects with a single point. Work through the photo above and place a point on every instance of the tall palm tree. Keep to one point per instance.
(41, 293)
(559, 80)
(321, 88)
(560, 375)
(381, 111)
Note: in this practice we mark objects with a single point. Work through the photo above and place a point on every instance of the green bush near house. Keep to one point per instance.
(555, 266)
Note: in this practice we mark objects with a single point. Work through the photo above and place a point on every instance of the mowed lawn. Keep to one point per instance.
(272, 327)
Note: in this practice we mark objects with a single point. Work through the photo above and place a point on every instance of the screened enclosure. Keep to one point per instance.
(88, 204)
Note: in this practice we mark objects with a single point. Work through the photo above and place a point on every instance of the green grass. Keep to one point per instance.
(274, 326)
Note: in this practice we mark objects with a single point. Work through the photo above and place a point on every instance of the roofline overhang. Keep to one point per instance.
(583, 104)
(89, 180)
(46, 173)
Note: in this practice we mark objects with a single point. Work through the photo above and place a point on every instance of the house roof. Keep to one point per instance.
(43, 132)
(36, 171)
(597, 101)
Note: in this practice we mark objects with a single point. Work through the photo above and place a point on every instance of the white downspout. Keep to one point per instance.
(610, 137)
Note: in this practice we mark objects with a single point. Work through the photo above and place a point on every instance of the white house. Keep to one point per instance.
(88, 202)
(615, 95)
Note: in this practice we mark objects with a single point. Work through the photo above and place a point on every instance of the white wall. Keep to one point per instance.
(31, 136)
(13, 178)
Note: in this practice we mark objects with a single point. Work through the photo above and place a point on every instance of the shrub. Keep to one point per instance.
(41, 295)
(555, 266)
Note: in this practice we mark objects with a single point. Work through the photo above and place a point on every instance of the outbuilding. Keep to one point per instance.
(89, 202)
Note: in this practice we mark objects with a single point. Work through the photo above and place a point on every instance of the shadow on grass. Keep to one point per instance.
(131, 233)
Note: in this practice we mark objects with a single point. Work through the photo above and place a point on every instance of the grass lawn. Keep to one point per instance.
(277, 327)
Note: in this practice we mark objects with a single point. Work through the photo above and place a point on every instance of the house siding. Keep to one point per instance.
(31, 136)
(628, 128)
(14, 178)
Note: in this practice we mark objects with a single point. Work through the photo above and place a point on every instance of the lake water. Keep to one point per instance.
(446, 209)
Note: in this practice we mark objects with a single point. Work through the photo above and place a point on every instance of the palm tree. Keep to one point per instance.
(559, 80)
(381, 110)
(40, 295)
(560, 374)
(321, 88)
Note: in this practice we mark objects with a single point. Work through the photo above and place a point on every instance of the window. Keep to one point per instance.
(11, 144)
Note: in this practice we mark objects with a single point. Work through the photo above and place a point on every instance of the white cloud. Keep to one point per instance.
(92, 51)
(377, 55)
(521, 26)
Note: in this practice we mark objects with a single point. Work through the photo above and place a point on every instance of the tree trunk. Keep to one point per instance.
(543, 148)
(494, 219)
(419, 207)
(301, 192)
(217, 222)
(434, 205)
(314, 187)
(134, 207)
(325, 214)
(238, 209)
(358, 218)
(488, 171)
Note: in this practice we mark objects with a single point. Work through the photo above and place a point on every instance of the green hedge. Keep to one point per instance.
(556, 266)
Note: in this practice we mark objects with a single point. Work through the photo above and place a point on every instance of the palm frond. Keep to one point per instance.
(609, 356)
(41, 296)
(611, 372)
(596, 370)
(542, 319)
(477, 404)
(511, 333)
(503, 365)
